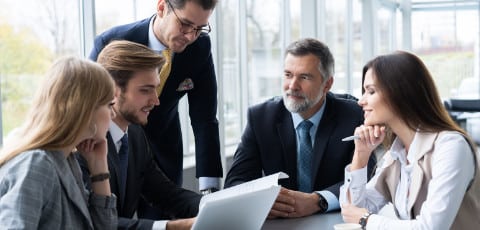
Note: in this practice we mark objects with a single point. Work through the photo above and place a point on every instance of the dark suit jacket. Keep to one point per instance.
(269, 145)
(163, 128)
(144, 179)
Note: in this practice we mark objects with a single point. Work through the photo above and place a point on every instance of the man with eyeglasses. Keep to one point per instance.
(180, 26)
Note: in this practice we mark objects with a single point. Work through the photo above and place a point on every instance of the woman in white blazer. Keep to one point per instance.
(429, 172)
(40, 181)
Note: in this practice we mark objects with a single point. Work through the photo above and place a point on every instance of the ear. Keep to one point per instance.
(118, 92)
(162, 8)
(328, 84)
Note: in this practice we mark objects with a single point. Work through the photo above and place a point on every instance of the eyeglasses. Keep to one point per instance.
(187, 28)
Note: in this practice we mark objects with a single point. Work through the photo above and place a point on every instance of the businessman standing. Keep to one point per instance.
(179, 30)
(300, 134)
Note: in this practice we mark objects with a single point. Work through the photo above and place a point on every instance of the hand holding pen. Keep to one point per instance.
(367, 138)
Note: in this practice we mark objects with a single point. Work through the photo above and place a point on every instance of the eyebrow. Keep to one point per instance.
(146, 86)
(186, 21)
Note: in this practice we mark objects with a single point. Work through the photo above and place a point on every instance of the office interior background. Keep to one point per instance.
(249, 38)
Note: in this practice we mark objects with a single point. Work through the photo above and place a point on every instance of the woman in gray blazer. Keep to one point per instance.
(40, 181)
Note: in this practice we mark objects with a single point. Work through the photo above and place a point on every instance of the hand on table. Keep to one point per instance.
(292, 204)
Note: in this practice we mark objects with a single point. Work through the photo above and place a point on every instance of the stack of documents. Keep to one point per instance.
(241, 207)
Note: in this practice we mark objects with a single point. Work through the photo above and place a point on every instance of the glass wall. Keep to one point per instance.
(335, 39)
(264, 49)
(110, 13)
(32, 35)
(249, 38)
(447, 40)
(229, 69)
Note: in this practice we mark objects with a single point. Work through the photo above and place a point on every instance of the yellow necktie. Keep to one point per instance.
(165, 71)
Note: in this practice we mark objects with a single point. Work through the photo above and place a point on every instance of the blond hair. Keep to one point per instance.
(62, 108)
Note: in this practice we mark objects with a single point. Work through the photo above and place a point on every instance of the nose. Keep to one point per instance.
(155, 99)
(191, 36)
(362, 100)
(293, 83)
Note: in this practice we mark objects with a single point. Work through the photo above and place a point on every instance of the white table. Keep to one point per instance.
(317, 222)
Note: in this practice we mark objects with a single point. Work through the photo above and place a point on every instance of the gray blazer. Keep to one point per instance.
(44, 190)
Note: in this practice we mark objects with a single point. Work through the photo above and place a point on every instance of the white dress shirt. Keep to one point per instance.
(452, 171)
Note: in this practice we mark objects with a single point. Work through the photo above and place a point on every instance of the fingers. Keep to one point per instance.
(352, 213)
(282, 208)
(86, 145)
(273, 214)
(347, 213)
(371, 135)
(285, 198)
(284, 205)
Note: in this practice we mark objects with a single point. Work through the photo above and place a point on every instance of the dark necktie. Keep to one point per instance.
(123, 163)
(305, 157)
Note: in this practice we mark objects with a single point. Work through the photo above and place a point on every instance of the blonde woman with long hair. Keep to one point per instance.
(40, 181)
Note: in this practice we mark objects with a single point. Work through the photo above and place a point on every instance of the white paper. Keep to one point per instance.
(244, 206)
(251, 186)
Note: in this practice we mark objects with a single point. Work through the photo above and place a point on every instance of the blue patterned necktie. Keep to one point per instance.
(304, 157)
(123, 163)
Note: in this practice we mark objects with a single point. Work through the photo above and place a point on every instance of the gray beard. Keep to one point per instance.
(296, 107)
(302, 106)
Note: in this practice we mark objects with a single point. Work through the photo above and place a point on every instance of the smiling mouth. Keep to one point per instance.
(147, 110)
(182, 42)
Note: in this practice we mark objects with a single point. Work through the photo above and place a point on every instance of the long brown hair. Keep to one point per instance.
(62, 108)
(410, 91)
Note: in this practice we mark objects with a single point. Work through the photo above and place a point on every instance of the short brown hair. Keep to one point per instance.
(205, 4)
(123, 58)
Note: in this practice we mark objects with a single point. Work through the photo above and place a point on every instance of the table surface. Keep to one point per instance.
(318, 221)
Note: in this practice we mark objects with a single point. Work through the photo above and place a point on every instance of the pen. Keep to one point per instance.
(351, 138)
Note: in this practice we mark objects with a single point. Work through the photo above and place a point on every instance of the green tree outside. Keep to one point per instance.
(23, 61)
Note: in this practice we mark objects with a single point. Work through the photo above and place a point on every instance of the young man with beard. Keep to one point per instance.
(273, 140)
(133, 172)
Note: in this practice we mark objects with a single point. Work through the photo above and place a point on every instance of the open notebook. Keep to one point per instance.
(241, 207)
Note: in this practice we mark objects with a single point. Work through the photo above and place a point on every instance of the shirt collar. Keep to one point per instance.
(153, 42)
(315, 119)
(116, 132)
(398, 151)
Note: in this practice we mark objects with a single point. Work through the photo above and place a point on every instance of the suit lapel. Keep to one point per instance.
(425, 144)
(393, 177)
(324, 131)
(286, 132)
(114, 169)
(71, 181)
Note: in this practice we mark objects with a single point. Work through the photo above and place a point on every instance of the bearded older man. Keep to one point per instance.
(300, 134)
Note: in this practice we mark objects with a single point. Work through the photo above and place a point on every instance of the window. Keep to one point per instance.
(249, 38)
(447, 41)
(32, 35)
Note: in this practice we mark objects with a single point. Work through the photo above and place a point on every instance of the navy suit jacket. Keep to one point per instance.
(144, 179)
(163, 128)
(269, 145)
